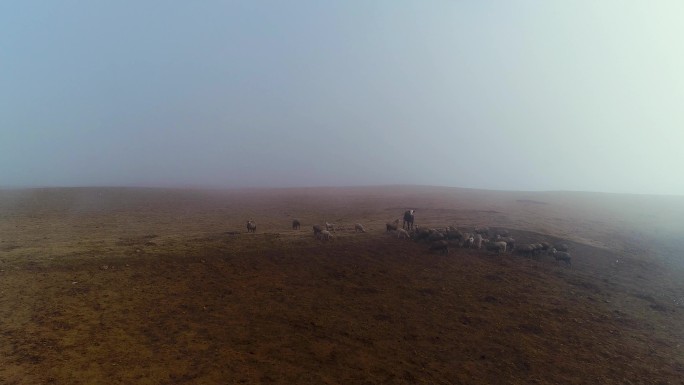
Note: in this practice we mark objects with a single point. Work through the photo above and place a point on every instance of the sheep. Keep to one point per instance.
(325, 235)
(499, 247)
(453, 243)
(409, 216)
(525, 249)
(401, 233)
(468, 242)
(317, 229)
(296, 224)
(477, 241)
(435, 235)
(538, 247)
(452, 233)
(251, 226)
(562, 256)
(502, 233)
(561, 247)
(329, 226)
(359, 228)
(442, 246)
(510, 242)
(482, 231)
(421, 233)
(392, 225)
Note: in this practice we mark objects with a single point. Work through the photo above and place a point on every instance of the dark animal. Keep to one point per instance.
(295, 224)
(251, 227)
(525, 249)
(421, 233)
(436, 236)
(317, 229)
(441, 246)
(409, 215)
(392, 225)
(452, 233)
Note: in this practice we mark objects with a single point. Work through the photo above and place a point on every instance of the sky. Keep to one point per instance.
(507, 95)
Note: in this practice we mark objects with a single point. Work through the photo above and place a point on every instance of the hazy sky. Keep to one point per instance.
(523, 95)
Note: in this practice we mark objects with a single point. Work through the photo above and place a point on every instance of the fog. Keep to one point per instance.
(522, 95)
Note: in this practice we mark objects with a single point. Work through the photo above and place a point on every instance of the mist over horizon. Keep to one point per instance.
(515, 96)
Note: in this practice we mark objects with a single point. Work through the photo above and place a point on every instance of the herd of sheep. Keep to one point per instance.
(441, 239)
(483, 238)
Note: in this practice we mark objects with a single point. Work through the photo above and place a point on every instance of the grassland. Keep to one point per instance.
(163, 286)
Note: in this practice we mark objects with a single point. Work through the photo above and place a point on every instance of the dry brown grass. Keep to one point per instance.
(152, 286)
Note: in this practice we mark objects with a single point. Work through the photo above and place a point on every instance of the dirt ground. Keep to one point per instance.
(162, 286)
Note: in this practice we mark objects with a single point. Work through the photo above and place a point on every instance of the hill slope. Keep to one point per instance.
(155, 286)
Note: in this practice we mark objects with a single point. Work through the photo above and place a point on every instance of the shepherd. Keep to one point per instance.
(408, 220)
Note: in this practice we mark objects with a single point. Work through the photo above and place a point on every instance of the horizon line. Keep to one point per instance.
(199, 187)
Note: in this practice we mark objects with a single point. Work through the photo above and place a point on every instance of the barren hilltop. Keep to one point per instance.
(164, 286)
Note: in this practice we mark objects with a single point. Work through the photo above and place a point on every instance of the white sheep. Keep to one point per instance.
(392, 225)
(499, 246)
(329, 226)
(325, 235)
(510, 242)
(562, 256)
(538, 248)
(359, 228)
(403, 234)
(561, 247)
(477, 241)
(468, 243)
